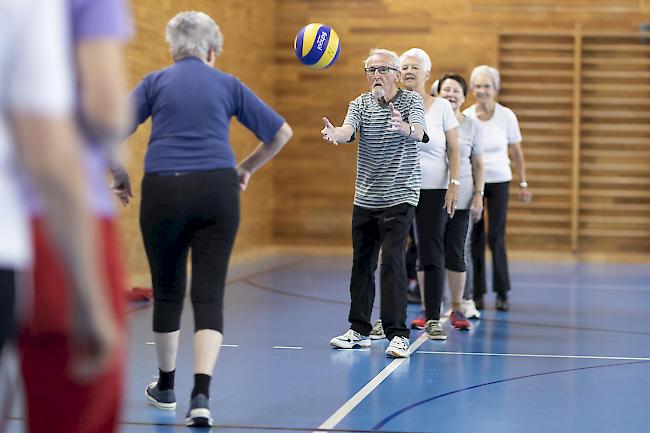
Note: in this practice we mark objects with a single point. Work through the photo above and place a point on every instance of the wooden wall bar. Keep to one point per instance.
(315, 181)
(305, 197)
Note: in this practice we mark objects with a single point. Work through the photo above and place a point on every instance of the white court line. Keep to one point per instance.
(288, 347)
(364, 392)
(229, 345)
(150, 343)
(529, 355)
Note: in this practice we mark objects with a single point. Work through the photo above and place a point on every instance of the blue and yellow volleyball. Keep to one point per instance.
(317, 46)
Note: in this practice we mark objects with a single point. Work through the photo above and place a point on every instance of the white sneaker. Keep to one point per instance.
(377, 332)
(398, 347)
(469, 310)
(350, 340)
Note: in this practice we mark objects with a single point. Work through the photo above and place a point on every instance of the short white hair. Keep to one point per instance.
(393, 59)
(419, 54)
(193, 33)
(486, 70)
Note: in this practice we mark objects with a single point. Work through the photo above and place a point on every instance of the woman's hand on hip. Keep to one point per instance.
(244, 176)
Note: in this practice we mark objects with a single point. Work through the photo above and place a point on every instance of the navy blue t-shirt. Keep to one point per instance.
(191, 105)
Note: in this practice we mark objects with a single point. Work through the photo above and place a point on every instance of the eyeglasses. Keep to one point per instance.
(383, 70)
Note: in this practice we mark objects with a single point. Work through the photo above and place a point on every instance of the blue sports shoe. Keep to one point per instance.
(165, 400)
(199, 413)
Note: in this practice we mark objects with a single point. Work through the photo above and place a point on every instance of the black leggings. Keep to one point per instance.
(440, 245)
(198, 210)
(496, 204)
(7, 305)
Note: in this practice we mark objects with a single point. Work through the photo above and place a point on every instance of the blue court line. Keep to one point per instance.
(436, 397)
(239, 427)
(509, 322)
(295, 295)
(570, 328)
(580, 287)
(146, 304)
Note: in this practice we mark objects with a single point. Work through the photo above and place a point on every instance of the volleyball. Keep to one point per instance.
(317, 46)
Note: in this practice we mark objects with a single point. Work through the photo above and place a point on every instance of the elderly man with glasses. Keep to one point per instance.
(390, 123)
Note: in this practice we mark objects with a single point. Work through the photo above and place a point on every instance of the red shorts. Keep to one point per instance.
(55, 403)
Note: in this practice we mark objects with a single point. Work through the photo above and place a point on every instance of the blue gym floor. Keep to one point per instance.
(572, 355)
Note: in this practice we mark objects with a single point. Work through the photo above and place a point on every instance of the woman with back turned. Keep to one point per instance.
(190, 194)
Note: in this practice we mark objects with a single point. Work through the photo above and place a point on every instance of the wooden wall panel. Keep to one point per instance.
(315, 181)
(537, 81)
(248, 29)
(615, 178)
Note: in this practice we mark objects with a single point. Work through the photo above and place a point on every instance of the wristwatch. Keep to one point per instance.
(481, 193)
(523, 184)
(454, 182)
(411, 130)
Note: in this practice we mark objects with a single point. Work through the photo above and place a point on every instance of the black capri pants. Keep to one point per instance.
(455, 234)
(441, 242)
(183, 211)
(7, 305)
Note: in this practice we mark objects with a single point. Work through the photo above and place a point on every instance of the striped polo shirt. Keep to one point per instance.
(388, 163)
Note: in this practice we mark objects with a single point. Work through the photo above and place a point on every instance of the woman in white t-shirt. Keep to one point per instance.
(453, 87)
(437, 219)
(500, 134)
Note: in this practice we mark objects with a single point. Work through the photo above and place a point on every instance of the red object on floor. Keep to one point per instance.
(418, 323)
(139, 294)
(459, 321)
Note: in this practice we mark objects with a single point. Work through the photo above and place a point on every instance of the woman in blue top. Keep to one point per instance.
(190, 194)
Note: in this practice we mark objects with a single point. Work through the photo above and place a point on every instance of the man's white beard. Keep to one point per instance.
(378, 92)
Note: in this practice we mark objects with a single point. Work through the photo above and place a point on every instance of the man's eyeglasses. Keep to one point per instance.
(383, 70)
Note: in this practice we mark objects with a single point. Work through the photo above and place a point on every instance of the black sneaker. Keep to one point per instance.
(502, 302)
(199, 413)
(162, 399)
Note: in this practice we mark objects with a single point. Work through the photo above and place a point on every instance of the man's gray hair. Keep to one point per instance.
(393, 58)
(486, 70)
(193, 33)
(420, 54)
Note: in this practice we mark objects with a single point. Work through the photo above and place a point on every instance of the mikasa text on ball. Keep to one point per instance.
(317, 46)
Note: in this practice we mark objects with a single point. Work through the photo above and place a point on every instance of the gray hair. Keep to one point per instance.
(419, 54)
(193, 33)
(487, 71)
(392, 56)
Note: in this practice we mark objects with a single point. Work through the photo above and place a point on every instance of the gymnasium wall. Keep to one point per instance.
(315, 181)
(248, 28)
(305, 197)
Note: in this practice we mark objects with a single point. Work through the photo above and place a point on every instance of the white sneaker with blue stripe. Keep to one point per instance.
(350, 340)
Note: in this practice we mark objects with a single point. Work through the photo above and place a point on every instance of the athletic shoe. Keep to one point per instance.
(398, 347)
(459, 321)
(445, 313)
(413, 296)
(418, 322)
(162, 399)
(377, 332)
(502, 302)
(199, 413)
(413, 292)
(469, 309)
(434, 330)
(350, 340)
